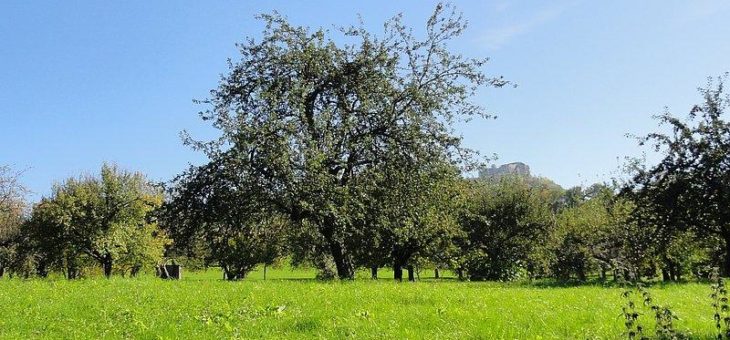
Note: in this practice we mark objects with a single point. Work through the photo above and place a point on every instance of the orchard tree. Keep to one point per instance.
(208, 206)
(305, 121)
(592, 233)
(506, 220)
(102, 219)
(689, 189)
(12, 208)
(411, 216)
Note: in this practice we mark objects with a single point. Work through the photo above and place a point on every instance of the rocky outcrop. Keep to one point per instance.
(516, 168)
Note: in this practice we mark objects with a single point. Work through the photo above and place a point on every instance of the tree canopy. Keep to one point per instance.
(103, 219)
(12, 211)
(338, 149)
(308, 125)
(689, 189)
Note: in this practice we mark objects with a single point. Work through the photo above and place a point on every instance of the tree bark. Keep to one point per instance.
(397, 271)
(374, 272)
(460, 273)
(666, 277)
(411, 276)
(2, 271)
(436, 273)
(71, 273)
(107, 265)
(135, 270)
(345, 270)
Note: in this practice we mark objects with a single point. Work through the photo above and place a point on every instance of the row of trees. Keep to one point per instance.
(343, 156)
(103, 221)
(489, 228)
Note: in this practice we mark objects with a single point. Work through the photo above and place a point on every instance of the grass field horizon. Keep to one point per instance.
(290, 303)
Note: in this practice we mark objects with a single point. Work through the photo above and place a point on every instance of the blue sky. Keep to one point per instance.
(85, 82)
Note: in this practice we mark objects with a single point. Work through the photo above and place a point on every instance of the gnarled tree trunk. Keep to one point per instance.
(345, 268)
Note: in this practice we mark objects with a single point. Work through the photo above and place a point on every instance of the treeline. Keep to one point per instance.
(343, 156)
(105, 221)
(506, 228)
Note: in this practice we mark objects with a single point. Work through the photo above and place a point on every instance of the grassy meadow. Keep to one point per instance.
(289, 304)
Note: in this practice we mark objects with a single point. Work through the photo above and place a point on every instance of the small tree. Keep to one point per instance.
(506, 220)
(412, 215)
(587, 236)
(205, 206)
(104, 219)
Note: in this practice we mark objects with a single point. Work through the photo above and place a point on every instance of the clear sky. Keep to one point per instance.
(83, 82)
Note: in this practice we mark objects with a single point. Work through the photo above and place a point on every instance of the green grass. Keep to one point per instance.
(287, 305)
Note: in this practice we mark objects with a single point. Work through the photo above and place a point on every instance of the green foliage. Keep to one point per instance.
(688, 254)
(594, 233)
(308, 125)
(581, 229)
(212, 219)
(720, 305)
(631, 314)
(410, 216)
(687, 190)
(104, 219)
(663, 316)
(239, 253)
(12, 209)
(506, 220)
